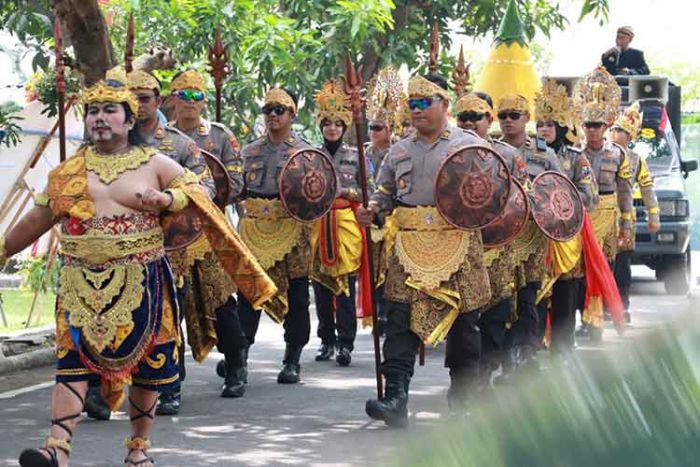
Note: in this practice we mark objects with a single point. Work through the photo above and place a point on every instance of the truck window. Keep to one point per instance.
(659, 148)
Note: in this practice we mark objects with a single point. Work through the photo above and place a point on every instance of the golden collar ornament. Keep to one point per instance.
(110, 167)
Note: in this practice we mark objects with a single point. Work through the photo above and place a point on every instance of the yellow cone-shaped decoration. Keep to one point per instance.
(510, 68)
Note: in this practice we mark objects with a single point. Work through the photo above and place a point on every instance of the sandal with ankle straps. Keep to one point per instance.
(138, 443)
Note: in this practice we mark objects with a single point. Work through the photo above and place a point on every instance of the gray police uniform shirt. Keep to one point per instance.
(539, 157)
(407, 175)
(612, 174)
(183, 150)
(576, 166)
(263, 162)
(346, 162)
(218, 140)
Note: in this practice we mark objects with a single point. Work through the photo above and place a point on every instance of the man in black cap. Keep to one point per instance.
(623, 60)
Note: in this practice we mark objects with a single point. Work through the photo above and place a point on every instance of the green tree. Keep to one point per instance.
(297, 43)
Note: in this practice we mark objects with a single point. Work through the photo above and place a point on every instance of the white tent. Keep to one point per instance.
(25, 167)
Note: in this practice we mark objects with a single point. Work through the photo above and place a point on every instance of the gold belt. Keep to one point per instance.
(261, 208)
(420, 218)
(95, 247)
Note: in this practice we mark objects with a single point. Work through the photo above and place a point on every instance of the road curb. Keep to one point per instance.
(28, 360)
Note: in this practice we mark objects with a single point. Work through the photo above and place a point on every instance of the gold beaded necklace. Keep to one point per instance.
(108, 168)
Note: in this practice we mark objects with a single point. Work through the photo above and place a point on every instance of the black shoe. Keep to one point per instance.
(458, 396)
(95, 407)
(168, 404)
(291, 370)
(392, 409)
(344, 358)
(510, 363)
(233, 383)
(325, 352)
(221, 368)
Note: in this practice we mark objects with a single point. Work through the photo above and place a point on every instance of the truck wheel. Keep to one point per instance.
(677, 275)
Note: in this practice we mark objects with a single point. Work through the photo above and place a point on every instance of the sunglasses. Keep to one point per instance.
(593, 125)
(511, 115)
(422, 103)
(376, 127)
(276, 109)
(190, 95)
(470, 116)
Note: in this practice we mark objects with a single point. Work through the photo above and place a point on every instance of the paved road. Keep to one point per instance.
(318, 423)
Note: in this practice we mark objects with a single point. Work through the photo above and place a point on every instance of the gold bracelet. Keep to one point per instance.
(3, 252)
(180, 199)
(41, 199)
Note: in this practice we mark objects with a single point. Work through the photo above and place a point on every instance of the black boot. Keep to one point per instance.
(95, 406)
(292, 368)
(510, 364)
(233, 383)
(392, 408)
(168, 404)
(244, 360)
(458, 395)
(325, 352)
(344, 358)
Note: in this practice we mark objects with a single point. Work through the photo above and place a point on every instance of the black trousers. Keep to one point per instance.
(492, 324)
(623, 276)
(343, 322)
(563, 314)
(463, 352)
(297, 325)
(400, 344)
(525, 330)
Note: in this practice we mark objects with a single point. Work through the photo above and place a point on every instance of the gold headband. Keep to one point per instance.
(514, 102)
(421, 87)
(630, 121)
(473, 103)
(332, 104)
(112, 89)
(279, 96)
(139, 79)
(189, 79)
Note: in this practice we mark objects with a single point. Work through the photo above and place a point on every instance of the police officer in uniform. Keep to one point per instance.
(624, 132)
(406, 188)
(279, 242)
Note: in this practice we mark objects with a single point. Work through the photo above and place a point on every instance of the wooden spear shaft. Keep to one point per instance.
(60, 88)
(353, 85)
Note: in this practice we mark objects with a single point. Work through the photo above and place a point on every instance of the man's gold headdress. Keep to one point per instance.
(333, 104)
(139, 79)
(384, 96)
(630, 121)
(113, 88)
(421, 87)
(280, 97)
(598, 95)
(189, 79)
(473, 103)
(514, 102)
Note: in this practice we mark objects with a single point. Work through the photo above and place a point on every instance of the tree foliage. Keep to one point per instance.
(297, 43)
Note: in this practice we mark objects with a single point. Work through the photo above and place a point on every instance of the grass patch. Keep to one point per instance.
(16, 304)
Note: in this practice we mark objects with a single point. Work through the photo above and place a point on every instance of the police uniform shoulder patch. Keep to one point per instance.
(618, 147)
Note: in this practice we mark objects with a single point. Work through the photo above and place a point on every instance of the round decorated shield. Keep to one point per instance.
(181, 228)
(472, 187)
(556, 206)
(510, 223)
(221, 179)
(308, 185)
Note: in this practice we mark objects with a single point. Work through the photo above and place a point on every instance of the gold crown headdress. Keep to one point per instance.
(473, 103)
(280, 96)
(553, 103)
(598, 96)
(384, 93)
(630, 121)
(189, 79)
(333, 104)
(139, 79)
(514, 102)
(113, 88)
(419, 86)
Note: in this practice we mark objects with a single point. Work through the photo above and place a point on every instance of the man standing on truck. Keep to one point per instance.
(622, 59)
(624, 131)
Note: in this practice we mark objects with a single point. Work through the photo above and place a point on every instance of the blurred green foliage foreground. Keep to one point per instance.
(638, 405)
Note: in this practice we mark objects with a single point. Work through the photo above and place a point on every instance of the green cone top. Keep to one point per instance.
(511, 28)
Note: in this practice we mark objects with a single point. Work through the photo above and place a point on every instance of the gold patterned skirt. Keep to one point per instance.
(437, 269)
(498, 262)
(605, 219)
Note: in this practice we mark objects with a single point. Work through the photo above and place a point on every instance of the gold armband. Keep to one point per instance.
(187, 178)
(180, 199)
(653, 211)
(3, 252)
(627, 216)
(41, 199)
